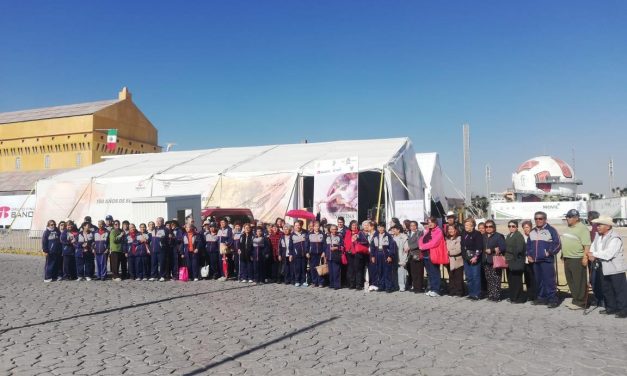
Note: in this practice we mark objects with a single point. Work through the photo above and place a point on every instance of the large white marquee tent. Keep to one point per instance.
(429, 165)
(267, 179)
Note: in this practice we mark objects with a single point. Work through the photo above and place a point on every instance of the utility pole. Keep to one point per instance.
(611, 175)
(467, 175)
(488, 179)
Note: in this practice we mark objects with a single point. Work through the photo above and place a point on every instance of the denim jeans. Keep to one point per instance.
(473, 278)
(433, 274)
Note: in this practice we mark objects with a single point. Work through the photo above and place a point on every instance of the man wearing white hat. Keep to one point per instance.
(608, 247)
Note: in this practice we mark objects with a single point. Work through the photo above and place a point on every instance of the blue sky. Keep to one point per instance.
(531, 77)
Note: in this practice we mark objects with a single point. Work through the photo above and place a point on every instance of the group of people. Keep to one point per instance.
(372, 255)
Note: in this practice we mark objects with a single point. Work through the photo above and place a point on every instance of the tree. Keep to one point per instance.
(481, 204)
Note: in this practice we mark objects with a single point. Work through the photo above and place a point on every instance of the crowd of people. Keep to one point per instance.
(372, 256)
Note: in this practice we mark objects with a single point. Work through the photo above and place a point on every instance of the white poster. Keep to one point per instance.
(17, 211)
(336, 189)
(414, 210)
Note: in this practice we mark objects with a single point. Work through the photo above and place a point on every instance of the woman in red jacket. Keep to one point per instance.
(431, 242)
(357, 250)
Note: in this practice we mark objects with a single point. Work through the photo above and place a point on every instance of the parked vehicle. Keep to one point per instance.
(615, 207)
(234, 214)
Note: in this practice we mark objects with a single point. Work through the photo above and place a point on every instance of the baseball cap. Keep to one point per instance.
(109, 217)
(572, 213)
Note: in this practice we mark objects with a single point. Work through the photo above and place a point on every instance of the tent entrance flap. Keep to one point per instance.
(368, 195)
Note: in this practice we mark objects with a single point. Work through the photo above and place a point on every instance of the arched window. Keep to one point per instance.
(47, 161)
(18, 163)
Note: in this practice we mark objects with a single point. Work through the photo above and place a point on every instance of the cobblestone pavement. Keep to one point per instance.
(225, 328)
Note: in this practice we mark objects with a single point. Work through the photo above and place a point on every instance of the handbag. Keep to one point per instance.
(344, 259)
(183, 274)
(322, 269)
(499, 262)
(204, 271)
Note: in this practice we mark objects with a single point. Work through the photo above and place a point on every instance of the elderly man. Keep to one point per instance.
(575, 246)
(608, 247)
(542, 246)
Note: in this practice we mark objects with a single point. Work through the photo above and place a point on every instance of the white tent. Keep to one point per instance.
(266, 179)
(429, 165)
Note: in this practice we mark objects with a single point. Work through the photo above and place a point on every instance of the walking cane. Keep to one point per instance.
(587, 294)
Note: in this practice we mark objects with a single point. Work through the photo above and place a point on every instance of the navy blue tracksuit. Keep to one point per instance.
(261, 252)
(285, 249)
(141, 259)
(334, 246)
(84, 255)
(69, 263)
(190, 256)
(315, 250)
(158, 248)
(51, 246)
(382, 247)
(212, 254)
(300, 246)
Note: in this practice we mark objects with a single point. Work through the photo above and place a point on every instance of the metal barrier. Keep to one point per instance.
(20, 240)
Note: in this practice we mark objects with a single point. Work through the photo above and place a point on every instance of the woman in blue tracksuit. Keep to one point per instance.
(285, 249)
(300, 246)
(237, 234)
(84, 253)
(383, 254)
(51, 246)
(261, 251)
(245, 252)
(334, 246)
(212, 250)
(314, 253)
(129, 247)
(68, 236)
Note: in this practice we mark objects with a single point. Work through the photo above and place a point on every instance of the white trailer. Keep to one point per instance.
(615, 207)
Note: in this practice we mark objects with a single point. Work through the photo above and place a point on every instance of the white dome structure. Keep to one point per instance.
(545, 175)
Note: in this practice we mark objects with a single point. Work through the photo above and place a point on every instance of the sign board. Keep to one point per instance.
(526, 210)
(17, 211)
(414, 210)
(336, 190)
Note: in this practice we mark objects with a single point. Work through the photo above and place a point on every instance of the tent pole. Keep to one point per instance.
(380, 191)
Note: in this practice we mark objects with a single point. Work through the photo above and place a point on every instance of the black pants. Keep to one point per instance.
(530, 282)
(417, 272)
(344, 274)
(515, 281)
(360, 261)
(124, 265)
(114, 260)
(455, 281)
(615, 292)
(350, 271)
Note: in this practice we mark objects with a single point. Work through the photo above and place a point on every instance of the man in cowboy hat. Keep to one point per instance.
(608, 247)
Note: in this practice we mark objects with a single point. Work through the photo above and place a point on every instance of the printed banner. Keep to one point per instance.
(17, 211)
(336, 189)
(268, 196)
(526, 210)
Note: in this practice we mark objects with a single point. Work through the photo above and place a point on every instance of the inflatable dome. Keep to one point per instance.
(545, 175)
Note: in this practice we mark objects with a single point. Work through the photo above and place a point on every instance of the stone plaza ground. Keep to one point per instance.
(229, 328)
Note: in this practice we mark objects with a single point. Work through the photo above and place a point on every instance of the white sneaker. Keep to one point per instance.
(59, 278)
(375, 288)
(195, 279)
(138, 279)
(151, 279)
(47, 280)
(78, 279)
(305, 284)
(221, 279)
(297, 284)
(87, 278)
(242, 281)
(161, 279)
(251, 281)
(117, 279)
(370, 288)
(145, 279)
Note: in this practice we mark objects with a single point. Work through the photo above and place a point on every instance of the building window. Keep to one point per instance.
(18, 163)
(79, 159)
(47, 161)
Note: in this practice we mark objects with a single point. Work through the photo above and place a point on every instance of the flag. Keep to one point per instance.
(112, 139)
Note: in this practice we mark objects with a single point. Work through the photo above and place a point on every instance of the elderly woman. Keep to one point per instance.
(456, 262)
(515, 256)
(494, 246)
(472, 248)
(430, 241)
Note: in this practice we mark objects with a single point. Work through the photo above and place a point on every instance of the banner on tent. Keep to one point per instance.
(266, 196)
(414, 210)
(336, 189)
(17, 211)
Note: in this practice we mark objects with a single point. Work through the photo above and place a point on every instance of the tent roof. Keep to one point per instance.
(244, 161)
(427, 162)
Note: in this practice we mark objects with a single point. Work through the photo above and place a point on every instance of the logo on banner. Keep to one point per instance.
(4, 211)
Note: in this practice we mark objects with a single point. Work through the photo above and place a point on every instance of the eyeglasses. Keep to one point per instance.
(512, 226)
(539, 219)
(489, 226)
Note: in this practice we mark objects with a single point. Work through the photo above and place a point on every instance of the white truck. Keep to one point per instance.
(615, 207)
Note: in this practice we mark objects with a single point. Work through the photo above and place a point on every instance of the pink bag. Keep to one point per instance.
(183, 274)
(499, 262)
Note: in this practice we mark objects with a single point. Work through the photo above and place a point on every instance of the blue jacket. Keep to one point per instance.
(197, 243)
(387, 245)
(51, 241)
(212, 242)
(67, 241)
(159, 239)
(334, 241)
(261, 248)
(101, 241)
(543, 243)
(300, 244)
(286, 247)
(316, 243)
(491, 242)
(226, 236)
(142, 243)
(176, 242)
(85, 244)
